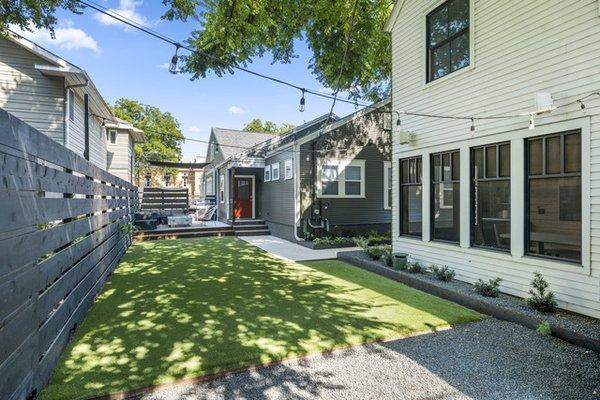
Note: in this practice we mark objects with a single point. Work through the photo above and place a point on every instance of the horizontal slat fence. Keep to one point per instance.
(63, 229)
(165, 199)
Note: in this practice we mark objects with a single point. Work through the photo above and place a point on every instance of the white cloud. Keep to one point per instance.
(127, 9)
(194, 129)
(235, 110)
(66, 38)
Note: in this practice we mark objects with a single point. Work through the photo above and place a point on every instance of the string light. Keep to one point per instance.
(302, 102)
(581, 104)
(398, 120)
(174, 59)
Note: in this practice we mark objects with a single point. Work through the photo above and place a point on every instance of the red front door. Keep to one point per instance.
(243, 193)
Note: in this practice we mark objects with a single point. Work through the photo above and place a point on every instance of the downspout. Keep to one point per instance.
(86, 126)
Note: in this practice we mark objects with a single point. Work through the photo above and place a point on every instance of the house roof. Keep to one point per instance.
(73, 74)
(233, 141)
(136, 134)
(351, 117)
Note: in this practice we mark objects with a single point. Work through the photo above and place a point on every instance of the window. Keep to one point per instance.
(445, 191)
(553, 200)
(185, 180)
(210, 189)
(267, 173)
(341, 178)
(448, 48)
(71, 100)
(387, 185)
(490, 196)
(275, 172)
(411, 196)
(167, 180)
(148, 180)
(111, 136)
(288, 171)
(222, 188)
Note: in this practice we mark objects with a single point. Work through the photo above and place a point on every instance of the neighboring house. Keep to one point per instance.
(324, 177)
(498, 199)
(176, 175)
(54, 96)
(121, 138)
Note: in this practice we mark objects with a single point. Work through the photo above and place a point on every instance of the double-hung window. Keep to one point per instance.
(411, 200)
(222, 188)
(167, 179)
(275, 172)
(210, 189)
(448, 47)
(267, 173)
(387, 185)
(288, 170)
(111, 136)
(553, 191)
(341, 178)
(490, 205)
(445, 191)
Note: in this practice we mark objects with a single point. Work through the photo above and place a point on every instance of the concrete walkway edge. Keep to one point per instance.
(494, 310)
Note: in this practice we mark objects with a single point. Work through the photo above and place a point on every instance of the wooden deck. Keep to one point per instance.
(163, 232)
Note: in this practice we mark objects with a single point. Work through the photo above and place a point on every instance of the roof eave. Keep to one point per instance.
(389, 25)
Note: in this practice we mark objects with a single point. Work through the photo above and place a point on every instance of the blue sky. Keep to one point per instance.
(127, 63)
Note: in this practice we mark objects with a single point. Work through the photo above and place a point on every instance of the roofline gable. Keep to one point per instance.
(389, 25)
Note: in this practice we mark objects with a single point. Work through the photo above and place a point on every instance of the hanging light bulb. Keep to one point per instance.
(472, 124)
(398, 121)
(581, 104)
(531, 122)
(302, 102)
(174, 59)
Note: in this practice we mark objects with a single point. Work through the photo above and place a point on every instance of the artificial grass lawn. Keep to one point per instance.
(184, 308)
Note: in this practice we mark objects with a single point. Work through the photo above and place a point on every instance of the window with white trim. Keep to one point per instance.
(267, 173)
(210, 190)
(341, 178)
(275, 172)
(387, 185)
(222, 188)
(111, 137)
(288, 171)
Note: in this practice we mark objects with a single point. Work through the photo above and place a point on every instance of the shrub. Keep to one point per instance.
(442, 273)
(544, 329)
(376, 252)
(375, 238)
(361, 242)
(489, 288)
(541, 299)
(388, 257)
(332, 242)
(412, 268)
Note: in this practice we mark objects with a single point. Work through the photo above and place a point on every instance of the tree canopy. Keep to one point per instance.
(350, 50)
(257, 125)
(163, 132)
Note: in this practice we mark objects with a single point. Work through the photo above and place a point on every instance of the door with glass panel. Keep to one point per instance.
(490, 196)
(445, 196)
(411, 203)
(553, 191)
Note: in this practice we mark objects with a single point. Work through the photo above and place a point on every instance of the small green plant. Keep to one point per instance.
(490, 288)
(376, 252)
(413, 268)
(541, 298)
(544, 329)
(127, 228)
(442, 273)
(388, 257)
(361, 242)
(332, 242)
(375, 239)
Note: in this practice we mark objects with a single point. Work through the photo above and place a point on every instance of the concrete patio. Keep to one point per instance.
(291, 251)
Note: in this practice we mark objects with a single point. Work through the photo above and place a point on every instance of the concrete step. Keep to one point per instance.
(261, 232)
(240, 222)
(250, 227)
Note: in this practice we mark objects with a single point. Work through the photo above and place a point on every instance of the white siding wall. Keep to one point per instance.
(518, 48)
(119, 156)
(36, 99)
(76, 135)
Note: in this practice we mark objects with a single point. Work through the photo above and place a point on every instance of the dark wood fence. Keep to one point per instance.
(172, 200)
(63, 229)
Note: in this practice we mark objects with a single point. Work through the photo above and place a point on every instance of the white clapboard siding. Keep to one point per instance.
(76, 141)
(27, 94)
(519, 48)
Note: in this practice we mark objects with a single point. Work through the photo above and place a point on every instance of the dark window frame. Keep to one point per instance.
(416, 181)
(430, 49)
(544, 175)
(433, 182)
(485, 178)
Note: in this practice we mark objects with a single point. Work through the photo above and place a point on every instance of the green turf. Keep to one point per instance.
(185, 308)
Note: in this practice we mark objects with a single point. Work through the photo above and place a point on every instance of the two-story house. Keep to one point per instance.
(485, 179)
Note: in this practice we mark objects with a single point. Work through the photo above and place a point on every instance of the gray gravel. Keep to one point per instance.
(484, 360)
(578, 323)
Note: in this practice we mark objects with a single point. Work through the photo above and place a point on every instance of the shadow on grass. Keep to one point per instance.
(184, 308)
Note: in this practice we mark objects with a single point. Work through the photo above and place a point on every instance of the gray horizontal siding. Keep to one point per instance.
(277, 197)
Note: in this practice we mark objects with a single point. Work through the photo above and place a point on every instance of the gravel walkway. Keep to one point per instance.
(484, 360)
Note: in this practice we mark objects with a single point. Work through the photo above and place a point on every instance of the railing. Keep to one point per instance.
(64, 226)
